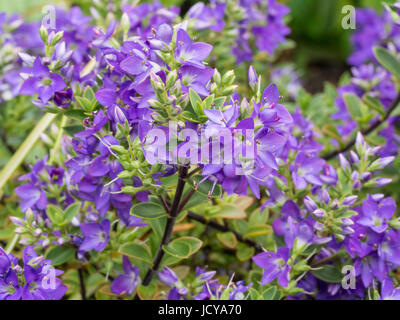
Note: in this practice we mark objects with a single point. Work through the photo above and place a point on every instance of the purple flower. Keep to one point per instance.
(389, 249)
(306, 169)
(168, 277)
(191, 53)
(388, 292)
(195, 78)
(273, 114)
(126, 283)
(208, 17)
(95, 236)
(375, 215)
(40, 278)
(275, 266)
(43, 82)
(5, 262)
(9, 287)
(370, 267)
(32, 194)
(40, 285)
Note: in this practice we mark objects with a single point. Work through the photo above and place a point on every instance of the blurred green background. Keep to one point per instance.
(322, 45)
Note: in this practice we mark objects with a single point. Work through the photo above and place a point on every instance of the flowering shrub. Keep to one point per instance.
(173, 169)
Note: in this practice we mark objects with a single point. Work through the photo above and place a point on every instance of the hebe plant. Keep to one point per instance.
(129, 199)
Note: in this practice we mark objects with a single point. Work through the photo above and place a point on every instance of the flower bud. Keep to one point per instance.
(228, 78)
(366, 176)
(125, 23)
(349, 201)
(381, 163)
(253, 79)
(119, 115)
(157, 83)
(17, 221)
(57, 37)
(378, 182)
(171, 78)
(217, 77)
(125, 175)
(344, 163)
(346, 222)
(44, 35)
(309, 204)
(325, 196)
(360, 144)
(354, 157)
(319, 213)
(347, 230)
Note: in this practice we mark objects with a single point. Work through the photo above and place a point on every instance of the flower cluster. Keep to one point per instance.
(204, 287)
(37, 280)
(166, 165)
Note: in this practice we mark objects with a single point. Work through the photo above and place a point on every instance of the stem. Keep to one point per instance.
(325, 260)
(82, 283)
(57, 144)
(23, 150)
(223, 228)
(12, 243)
(365, 131)
(173, 213)
(194, 171)
(164, 203)
(186, 200)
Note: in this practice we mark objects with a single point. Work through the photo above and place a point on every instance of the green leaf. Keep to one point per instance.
(183, 247)
(259, 230)
(55, 214)
(228, 211)
(353, 104)
(207, 103)
(244, 252)
(228, 239)
(196, 102)
(158, 227)
(76, 114)
(89, 93)
(136, 251)
(194, 243)
(71, 212)
(328, 274)
(187, 115)
(178, 249)
(270, 293)
(61, 255)
(148, 210)
(254, 295)
(388, 60)
(195, 200)
(219, 102)
(147, 292)
(374, 104)
(85, 103)
(331, 131)
(72, 130)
